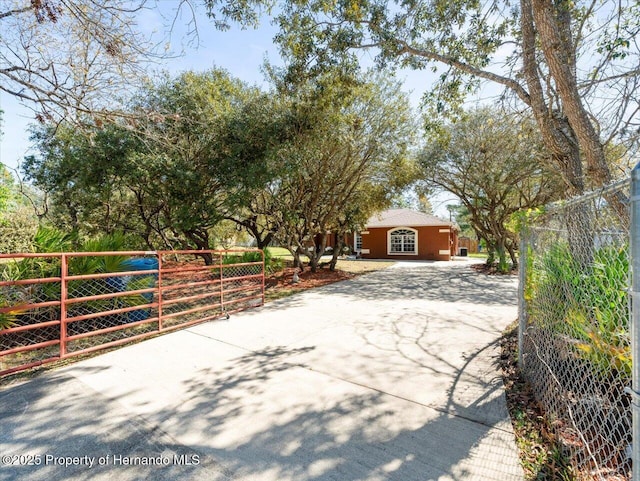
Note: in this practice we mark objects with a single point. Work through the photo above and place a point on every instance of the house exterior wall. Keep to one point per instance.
(434, 243)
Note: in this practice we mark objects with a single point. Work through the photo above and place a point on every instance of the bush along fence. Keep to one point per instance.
(54, 306)
(575, 327)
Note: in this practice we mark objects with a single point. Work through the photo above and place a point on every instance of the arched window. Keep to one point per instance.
(402, 241)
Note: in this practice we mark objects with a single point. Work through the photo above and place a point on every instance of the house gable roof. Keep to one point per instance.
(405, 217)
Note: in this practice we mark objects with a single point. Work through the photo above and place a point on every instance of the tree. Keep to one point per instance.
(574, 65)
(73, 59)
(18, 223)
(169, 177)
(84, 175)
(344, 156)
(495, 164)
(201, 169)
(263, 125)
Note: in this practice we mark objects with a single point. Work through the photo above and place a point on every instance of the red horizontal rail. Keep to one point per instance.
(242, 278)
(27, 307)
(189, 284)
(30, 254)
(30, 347)
(173, 270)
(23, 282)
(88, 277)
(125, 253)
(30, 365)
(168, 302)
(191, 311)
(107, 330)
(111, 295)
(121, 310)
(207, 251)
(29, 327)
(242, 264)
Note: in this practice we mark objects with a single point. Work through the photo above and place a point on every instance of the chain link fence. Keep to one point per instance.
(575, 327)
(53, 306)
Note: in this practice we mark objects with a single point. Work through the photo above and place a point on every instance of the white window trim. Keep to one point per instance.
(355, 242)
(414, 253)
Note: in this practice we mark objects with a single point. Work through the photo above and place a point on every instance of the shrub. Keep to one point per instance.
(17, 229)
(48, 240)
(271, 264)
(587, 305)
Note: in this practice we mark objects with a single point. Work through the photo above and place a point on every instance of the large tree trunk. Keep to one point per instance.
(565, 133)
(554, 31)
(553, 24)
(200, 237)
(501, 250)
(557, 133)
(319, 246)
(337, 249)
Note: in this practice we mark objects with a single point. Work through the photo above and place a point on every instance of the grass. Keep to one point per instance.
(362, 266)
(279, 252)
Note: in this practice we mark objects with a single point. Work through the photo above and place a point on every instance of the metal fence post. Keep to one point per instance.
(64, 292)
(522, 307)
(635, 318)
(222, 310)
(159, 290)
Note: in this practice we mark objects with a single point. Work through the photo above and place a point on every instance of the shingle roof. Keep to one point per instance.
(406, 218)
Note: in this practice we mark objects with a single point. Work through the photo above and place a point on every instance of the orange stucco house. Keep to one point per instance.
(405, 234)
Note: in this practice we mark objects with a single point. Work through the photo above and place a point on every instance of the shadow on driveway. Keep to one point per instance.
(208, 407)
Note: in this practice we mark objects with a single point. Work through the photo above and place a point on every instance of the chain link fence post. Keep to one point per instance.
(522, 306)
(635, 319)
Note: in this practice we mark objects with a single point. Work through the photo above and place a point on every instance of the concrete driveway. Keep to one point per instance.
(390, 376)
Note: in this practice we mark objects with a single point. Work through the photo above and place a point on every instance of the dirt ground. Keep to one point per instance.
(281, 283)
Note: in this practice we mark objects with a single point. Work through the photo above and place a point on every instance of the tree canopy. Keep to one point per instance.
(347, 163)
(204, 147)
(169, 177)
(495, 164)
(574, 65)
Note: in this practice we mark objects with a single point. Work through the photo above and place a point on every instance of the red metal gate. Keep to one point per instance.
(65, 304)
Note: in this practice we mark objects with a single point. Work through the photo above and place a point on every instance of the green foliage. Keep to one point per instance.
(347, 156)
(589, 306)
(18, 225)
(271, 264)
(188, 159)
(51, 240)
(6, 191)
(82, 174)
(526, 48)
(18, 222)
(496, 165)
(523, 218)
